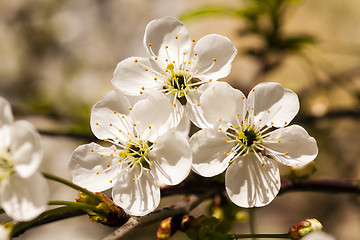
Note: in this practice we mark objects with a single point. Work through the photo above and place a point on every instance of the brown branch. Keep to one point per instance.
(135, 223)
(320, 185)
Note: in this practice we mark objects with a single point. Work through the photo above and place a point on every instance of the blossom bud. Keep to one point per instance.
(303, 172)
(304, 227)
(107, 212)
(169, 226)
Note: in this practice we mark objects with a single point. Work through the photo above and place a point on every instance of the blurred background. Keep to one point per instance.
(57, 59)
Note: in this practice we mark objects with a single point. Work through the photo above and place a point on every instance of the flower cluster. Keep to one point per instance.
(23, 191)
(145, 125)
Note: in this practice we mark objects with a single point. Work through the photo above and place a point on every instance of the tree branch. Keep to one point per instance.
(135, 223)
(320, 185)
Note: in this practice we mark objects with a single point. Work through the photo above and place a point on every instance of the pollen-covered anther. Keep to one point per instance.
(176, 37)
(151, 163)
(237, 114)
(214, 59)
(149, 44)
(253, 90)
(143, 88)
(285, 123)
(108, 165)
(174, 104)
(242, 97)
(195, 54)
(155, 78)
(116, 138)
(141, 92)
(255, 114)
(155, 58)
(246, 154)
(115, 112)
(272, 123)
(111, 155)
(134, 124)
(146, 69)
(286, 153)
(110, 124)
(279, 141)
(226, 141)
(97, 173)
(133, 179)
(252, 108)
(166, 47)
(210, 80)
(193, 40)
(219, 119)
(262, 164)
(91, 150)
(136, 60)
(97, 123)
(260, 120)
(198, 104)
(254, 142)
(219, 129)
(105, 140)
(110, 181)
(184, 53)
(268, 111)
(225, 153)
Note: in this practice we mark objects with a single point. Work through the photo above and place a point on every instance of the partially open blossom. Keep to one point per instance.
(148, 148)
(23, 192)
(247, 137)
(177, 65)
(304, 227)
(318, 235)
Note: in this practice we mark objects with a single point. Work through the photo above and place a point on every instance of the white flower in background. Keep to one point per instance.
(24, 193)
(4, 234)
(318, 235)
(245, 136)
(146, 150)
(177, 66)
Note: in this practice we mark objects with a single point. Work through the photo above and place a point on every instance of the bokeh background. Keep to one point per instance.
(57, 59)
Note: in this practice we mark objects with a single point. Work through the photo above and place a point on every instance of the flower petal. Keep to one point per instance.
(208, 149)
(154, 116)
(25, 198)
(138, 194)
(25, 148)
(170, 32)
(215, 54)
(172, 159)
(221, 102)
(135, 75)
(6, 116)
(194, 109)
(273, 103)
(106, 116)
(300, 147)
(92, 171)
(249, 184)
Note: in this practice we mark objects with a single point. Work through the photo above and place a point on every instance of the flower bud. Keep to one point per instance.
(304, 227)
(164, 230)
(303, 172)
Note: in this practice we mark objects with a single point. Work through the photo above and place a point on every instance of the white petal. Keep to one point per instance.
(208, 149)
(249, 184)
(105, 123)
(4, 234)
(6, 116)
(154, 116)
(221, 101)
(5, 136)
(90, 170)
(25, 198)
(138, 197)
(25, 148)
(318, 235)
(163, 32)
(135, 74)
(294, 140)
(195, 112)
(184, 125)
(282, 103)
(171, 158)
(210, 47)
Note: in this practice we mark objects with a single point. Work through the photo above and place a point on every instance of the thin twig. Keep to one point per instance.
(135, 223)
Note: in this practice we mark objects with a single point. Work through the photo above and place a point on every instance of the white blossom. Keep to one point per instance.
(23, 192)
(177, 65)
(148, 148)
(246, 136)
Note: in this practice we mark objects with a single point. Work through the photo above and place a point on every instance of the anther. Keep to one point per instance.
(262, 164)
(156, 58)
(174, 104)
(133, 179)
(176, 37)
(166, 47)
(268, 111)
(149, 127)
(105, 140)
(243, 97)
(184, 53)
(195, 54)
(134, 124)
(286, 153)
(151, 163)
(155, 78)
(130, 108)
(114, 112)
(141, 92)
(97, 173)
(193, 40)
(108, 165)
(146, 69)
(97, 123)
(279, 141)
(110, 181)
(102, 155)
(136, 60)
(111, 155)
(219, 119)
(142, 88)
(91, 150)
(110, 124)
(198, 104)
(285, 123)
(210, 80)
(214, 59)
(226, 141)
(149, 44)
(225, 153)
(253, 90)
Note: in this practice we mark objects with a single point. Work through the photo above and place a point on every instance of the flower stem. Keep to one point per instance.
(74, 204)
(260, 235)
(72, 185)
(21, 227)
(252, 222)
